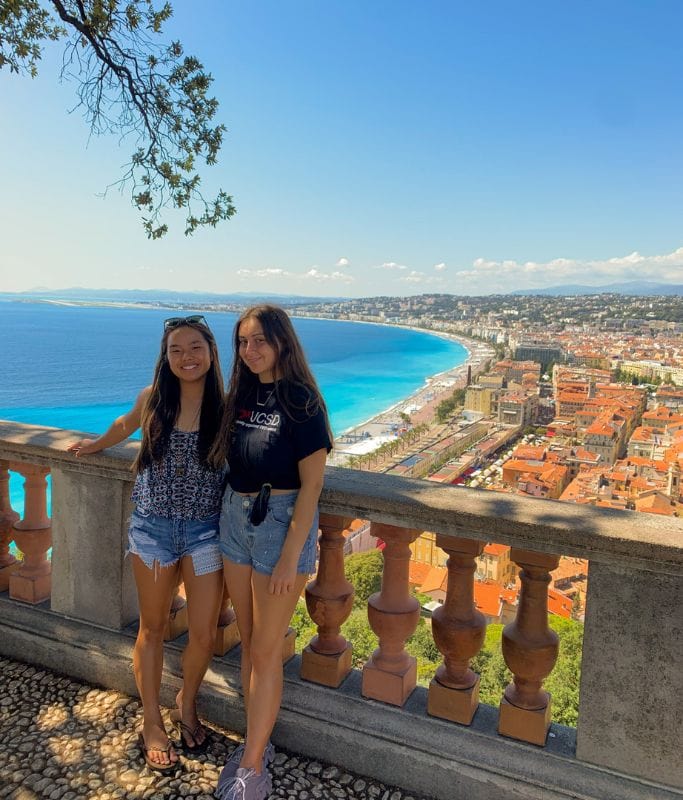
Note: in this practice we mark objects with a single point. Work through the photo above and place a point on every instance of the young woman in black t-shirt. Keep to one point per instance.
(276, 435)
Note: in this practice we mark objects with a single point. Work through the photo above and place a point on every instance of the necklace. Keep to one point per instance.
(184, 455)
(183, 467)
(258, 396)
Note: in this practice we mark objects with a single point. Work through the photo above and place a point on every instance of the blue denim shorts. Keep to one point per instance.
(261, 545)
(164, 541)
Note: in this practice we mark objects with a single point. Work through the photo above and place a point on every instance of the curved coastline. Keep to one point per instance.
(381, 427)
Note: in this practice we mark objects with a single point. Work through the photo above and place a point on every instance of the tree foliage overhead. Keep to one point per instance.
(132, 85)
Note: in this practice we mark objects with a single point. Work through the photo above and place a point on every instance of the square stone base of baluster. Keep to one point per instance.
(523, 724)
(227, 637)
(6, 573)
(456, 705)
(176, 625)
(30, 589)
(328, 670)
(389, 687)
(288, 645)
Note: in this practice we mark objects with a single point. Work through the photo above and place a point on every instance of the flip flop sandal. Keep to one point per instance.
(155, 764)
(185, 732)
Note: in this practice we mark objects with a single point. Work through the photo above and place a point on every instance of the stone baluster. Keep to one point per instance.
(329, 599)
(390, 674)
(177, 617)
(530, 651)
(8, 563)
(458, 630)
(32, 581)
(227, 634)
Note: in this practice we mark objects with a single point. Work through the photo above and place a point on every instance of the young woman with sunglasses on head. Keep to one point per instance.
(276, 436)
(173, 531)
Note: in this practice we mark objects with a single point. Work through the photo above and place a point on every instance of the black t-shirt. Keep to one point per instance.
(267, 443)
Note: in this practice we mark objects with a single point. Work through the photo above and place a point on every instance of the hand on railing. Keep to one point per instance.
(84, 447)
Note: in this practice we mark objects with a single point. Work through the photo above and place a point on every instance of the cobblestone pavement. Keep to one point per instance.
(63, 740)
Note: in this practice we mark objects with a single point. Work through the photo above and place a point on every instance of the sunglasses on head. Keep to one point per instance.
(174, 322)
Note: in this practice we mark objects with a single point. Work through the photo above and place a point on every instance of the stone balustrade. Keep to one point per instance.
(439, 741)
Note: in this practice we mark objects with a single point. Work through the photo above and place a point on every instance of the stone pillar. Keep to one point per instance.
(530, 651)
(631, 693)
(31, 582)
(390, 674)
(91, 578)
(227, 634)
(329, 600)
(8, 563)
(458, 630)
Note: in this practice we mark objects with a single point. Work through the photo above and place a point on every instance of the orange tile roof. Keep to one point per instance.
(559, 604)
(656, 504)
(493, 549)
(437, 578)
(417, 572)
(487, 597)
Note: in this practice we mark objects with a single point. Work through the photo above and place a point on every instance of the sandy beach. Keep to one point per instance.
(420, 405)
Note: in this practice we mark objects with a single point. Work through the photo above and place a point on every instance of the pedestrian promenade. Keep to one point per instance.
(63, 740)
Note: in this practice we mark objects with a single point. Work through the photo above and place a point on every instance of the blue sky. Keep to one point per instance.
(379, 148)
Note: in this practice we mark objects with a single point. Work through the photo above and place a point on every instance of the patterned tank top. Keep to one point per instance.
(179, 486)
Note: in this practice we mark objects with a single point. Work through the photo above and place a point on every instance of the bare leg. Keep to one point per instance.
(271, 617)
(238, 582)
(155, 593)
(203, 602)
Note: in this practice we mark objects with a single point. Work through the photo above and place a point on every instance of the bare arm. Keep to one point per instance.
(311, 473)
(121, 428)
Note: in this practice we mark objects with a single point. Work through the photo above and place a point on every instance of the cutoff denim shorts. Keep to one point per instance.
(164, 541)
(261, 545)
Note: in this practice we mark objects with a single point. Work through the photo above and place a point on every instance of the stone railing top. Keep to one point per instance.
(619, 538)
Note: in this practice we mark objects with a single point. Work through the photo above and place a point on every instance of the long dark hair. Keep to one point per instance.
(291, 372)
(163, 404)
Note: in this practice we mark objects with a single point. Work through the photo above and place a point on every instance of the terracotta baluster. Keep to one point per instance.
(32, 581)
(458, 630)
(530, 651)
(8, 563)
(177, 617)
(329, 599)
(390, 674)
(227, 634)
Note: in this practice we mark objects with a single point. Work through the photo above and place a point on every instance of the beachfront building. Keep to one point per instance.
(518, 408)
(481, 400)
(542, 352)
(430, 458)
(517, 370)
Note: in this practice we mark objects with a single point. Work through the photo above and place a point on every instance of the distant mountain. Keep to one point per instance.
(161, 296)
(647, 288)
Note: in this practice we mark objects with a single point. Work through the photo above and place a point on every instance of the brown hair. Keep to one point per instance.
(163, 404)
(291, 373)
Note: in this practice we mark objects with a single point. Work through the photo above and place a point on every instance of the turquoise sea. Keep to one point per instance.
(79, 367)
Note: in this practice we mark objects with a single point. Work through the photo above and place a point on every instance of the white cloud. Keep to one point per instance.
(439, 267)
(342, 262)
(315, 274)
(269, 272)
(666, 268)
(413, 277)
